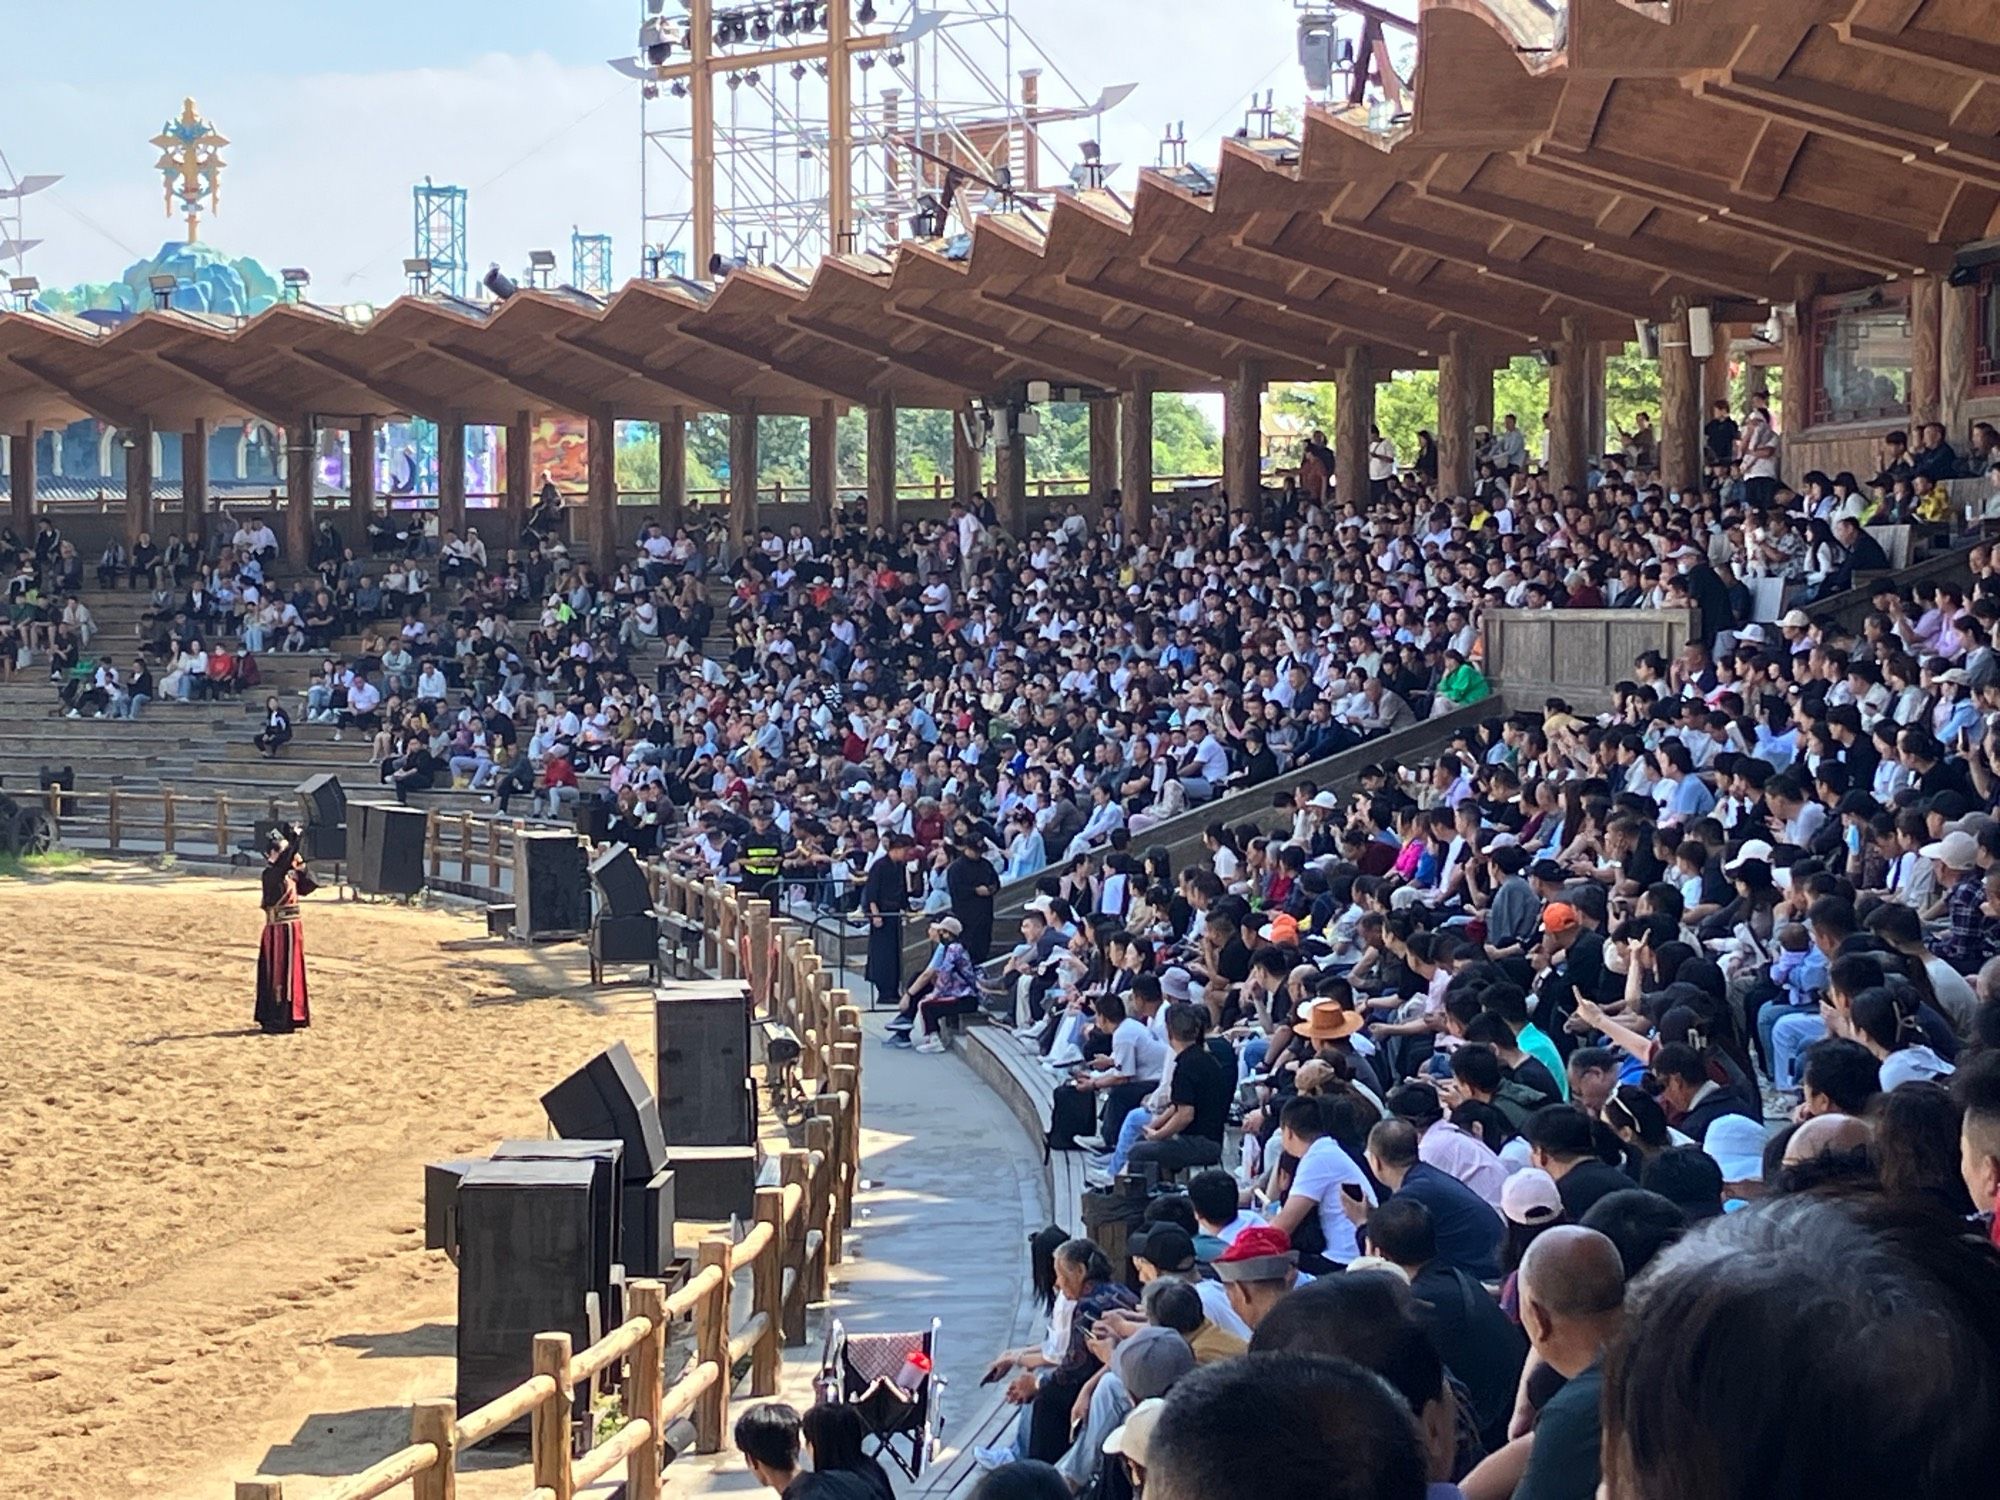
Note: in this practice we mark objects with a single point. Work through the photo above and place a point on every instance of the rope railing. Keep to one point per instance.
(789, 1253)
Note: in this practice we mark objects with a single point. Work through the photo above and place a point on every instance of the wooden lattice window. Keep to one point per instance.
(1861, 357)
(1986, 332)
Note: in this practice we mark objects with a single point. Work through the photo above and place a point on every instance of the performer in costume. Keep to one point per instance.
(281, 956)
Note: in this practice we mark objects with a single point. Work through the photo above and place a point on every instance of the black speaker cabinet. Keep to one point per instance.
(386, 851)
(607, 1100)
(593, 818)
(526, 1236)
(702, 1033)
(713, 1182)
(626, 940)
(323, 812)
(647, 1235)
(607, 1201)
(621, 882)
(441, 1180)
(551, 886)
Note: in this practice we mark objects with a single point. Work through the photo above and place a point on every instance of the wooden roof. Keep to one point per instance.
(1596, 166)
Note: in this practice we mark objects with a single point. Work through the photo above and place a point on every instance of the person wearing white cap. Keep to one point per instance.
(1965, 945)
(1736, 1142)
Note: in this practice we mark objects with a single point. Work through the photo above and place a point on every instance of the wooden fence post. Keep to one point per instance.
(434, 844)
(767, 1293)
(222, 825)
(759, 914)
(822, 1135)
(711, 1339)
(259, 1489)
(648, 1300)
(436, 1422)
(549, 1430)
(711, 938)
(794, 1171)
(168, 800)
(847, 1089)
(465, 847)
(493, 856)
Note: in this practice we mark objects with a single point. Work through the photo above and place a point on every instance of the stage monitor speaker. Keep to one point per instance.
(551, 888)
(441, 1180)
(626, 940)
(701, 1031)
(714, 1182)
(526, 1233)
(593, 818)
(323, 812)
(607, 1100)
(386, 853)
(1701, 333)
(647, 1235)
(607, 1200)
(621, 882)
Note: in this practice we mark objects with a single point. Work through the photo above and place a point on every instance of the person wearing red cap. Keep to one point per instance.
(1258, 1269)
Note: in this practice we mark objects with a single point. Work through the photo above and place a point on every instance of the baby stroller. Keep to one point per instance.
(890, 1381)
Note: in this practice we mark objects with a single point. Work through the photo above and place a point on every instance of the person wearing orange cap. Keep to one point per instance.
(1571, 964)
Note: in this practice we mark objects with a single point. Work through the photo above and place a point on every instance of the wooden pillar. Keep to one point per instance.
(1135, 450)
(823, 466)
(967, 470)
(1568, 451)
(361, 439)
(1926, 353)
(1680, 405)
(1353, 411)
(673, 466)
(21, 468)
(517, 485)
(1454, 419)
(881, 463)
(1479, 376)
(743, 478)
(451, 478)
(595, 532)
(298, 529)
(1715, 374)
(1103, 448)
(194, 480)
(1795, 392)
(1594, 416)
(1243, 439)
(1010, 482)
(1955, 314)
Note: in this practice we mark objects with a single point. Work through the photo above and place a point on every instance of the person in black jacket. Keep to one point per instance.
(767, 1435)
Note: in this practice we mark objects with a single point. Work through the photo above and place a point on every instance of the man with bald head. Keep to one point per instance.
(1572, 1300)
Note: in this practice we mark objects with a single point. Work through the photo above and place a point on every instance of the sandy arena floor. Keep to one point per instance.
(213, 1258)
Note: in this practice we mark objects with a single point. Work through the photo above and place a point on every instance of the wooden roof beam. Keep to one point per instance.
(677, 387)
(1602, 238)
(764, 363)
(104, 411)
(1908, 135)
(224, 386)
(1306, 309)
(554, 394)
(1958, 55)
(407, 398)
(1080, 367)
(886, 353)
(1872, 249)
(1241, 334)
(1135, 342)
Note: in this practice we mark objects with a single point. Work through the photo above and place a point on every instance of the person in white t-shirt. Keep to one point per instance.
(1325, 1171)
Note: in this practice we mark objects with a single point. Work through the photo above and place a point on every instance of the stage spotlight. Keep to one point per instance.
(735, 80)
(163, 290)
(296, 279)
(761, 27)
(788, 21)
(498, 282)
(656, 42)
(419, 272)
(720, 266)
(755, 80)
(798, 71)
(678, 89)
(864, 14)
(808, 17)
(896, 58)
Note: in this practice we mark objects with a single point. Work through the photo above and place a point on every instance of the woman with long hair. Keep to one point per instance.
(833, 1436)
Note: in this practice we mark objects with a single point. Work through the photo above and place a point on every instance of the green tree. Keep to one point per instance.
(1184, 439)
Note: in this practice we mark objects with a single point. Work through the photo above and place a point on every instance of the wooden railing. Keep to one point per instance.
(788, 1253)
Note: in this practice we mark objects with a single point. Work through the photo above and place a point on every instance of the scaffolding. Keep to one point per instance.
(590, 262)
(439, 236)
(782, 131)
(14, 241)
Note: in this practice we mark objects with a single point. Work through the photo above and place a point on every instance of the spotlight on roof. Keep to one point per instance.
(418, 269)
(296, 279)
(162, 288)
(23, 290)
(541, 268)
(499, 283)
(720, 266)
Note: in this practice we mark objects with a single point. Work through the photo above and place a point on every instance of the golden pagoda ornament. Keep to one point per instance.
(191, 166)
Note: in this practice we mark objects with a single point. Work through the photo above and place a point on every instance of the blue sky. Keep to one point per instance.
(336, 109)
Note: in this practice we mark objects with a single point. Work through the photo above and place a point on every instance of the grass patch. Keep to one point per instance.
(55, 862)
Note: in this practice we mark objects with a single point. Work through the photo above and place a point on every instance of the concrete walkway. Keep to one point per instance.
(952, 1188)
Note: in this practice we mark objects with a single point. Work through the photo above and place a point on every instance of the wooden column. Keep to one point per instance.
(361, 439)
(1568, 402)
(1353, 411)
(1103, 448)
(1926, 352)
(967, 467)
(1243, 438)
(517, 482)
(1135, 450)
(1680, 405)
(194, 480)
(451, 478)
(1454, 419)
(595, 532)
(21, 469)
(1593, 398)
(1010, 483)
(882, 463)
(1715, 374)
(823, 471)
(1795, 393)
(743, 478)
(298, 528)
(673, 466)
(1955, 314)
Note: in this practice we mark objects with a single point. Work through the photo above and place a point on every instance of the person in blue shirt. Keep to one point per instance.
(1690, 797)
(1467, 1228)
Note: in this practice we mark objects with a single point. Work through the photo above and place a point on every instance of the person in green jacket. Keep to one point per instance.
(1463, 683)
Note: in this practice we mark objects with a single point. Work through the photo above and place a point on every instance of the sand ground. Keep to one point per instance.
(213, 1258)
